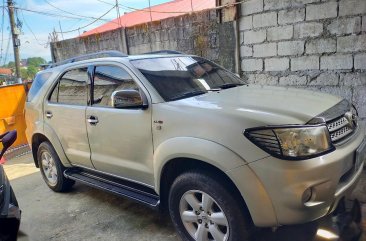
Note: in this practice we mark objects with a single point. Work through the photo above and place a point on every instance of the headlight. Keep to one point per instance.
(292, 142)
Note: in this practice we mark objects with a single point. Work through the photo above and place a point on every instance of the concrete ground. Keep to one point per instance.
(86, 213)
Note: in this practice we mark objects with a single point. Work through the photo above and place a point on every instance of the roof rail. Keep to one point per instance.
(102, 54)
(164, 52)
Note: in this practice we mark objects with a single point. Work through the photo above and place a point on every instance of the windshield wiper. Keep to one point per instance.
(229, 85)
(188, 94)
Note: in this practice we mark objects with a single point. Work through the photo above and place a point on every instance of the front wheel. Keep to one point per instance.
(203, 209)
(52, 168)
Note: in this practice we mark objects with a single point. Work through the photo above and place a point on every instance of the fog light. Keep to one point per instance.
(307, 195)
(326, 234)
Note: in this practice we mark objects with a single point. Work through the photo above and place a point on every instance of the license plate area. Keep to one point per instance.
(360, 155)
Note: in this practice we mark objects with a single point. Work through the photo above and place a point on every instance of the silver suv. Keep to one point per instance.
(181, 133)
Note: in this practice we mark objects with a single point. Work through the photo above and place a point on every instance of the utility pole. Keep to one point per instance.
(16, 41)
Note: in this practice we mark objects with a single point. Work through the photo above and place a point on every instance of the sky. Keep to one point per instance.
(35, 27)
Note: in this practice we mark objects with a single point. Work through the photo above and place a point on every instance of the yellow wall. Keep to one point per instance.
(12, 100)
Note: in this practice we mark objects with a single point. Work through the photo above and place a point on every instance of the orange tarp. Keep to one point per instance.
(12, 101)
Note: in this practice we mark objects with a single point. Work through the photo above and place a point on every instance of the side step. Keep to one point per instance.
(134, 191)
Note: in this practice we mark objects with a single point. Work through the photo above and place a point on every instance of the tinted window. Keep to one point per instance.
(72, 88)
(108, 79)
(37, 84)
(181, 77)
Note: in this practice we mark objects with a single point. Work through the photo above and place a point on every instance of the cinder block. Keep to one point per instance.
(265, 50)
(291, 48)
(360, 100)
(252, 6)
(321, 11)
(311, 29)
(318, 46)
(265, 20)
(251, 37)
(246, 51)
(291, 16)
(325, 79)
(336, 62)
(297, 3)
(343, 91)
(293, 80)
(353, 79)
(280, 33)
(262, 79)
(345, 25)
(276, 64)
(276, 4)
(352, 7)
(252, 64)
(351, 43)
(360, 61)
(246, 23)
(305, 63)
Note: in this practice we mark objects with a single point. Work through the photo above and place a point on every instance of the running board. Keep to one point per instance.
(136, 192)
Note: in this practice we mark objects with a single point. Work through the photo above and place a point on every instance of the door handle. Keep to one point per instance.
(92, 120)
(49, 114)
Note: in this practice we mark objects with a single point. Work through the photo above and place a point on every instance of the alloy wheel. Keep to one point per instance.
(49, 168)
(202, 217)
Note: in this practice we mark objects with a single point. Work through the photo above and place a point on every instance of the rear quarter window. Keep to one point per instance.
(37, 84)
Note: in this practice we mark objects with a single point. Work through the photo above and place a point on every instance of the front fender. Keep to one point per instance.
(194, 148)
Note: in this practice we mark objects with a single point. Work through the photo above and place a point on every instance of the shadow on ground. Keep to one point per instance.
(90, 214)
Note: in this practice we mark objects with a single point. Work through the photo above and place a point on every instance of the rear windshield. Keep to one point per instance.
(185, 76)
(37, 84)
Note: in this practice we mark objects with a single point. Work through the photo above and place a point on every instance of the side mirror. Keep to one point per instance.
(7, 140)
(129, 99)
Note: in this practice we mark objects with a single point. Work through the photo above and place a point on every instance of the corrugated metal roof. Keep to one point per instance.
(158, 12)
(5, 71)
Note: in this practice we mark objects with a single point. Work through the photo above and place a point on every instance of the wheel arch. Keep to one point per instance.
(177, 166)
(38, 138)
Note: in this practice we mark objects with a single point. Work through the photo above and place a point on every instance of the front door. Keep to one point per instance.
(120, 139)
(65, 114)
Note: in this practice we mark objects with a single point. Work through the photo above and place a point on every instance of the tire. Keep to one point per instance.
(52, 169)
(224, 218)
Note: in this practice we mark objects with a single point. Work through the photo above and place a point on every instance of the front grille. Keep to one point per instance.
(340, 128)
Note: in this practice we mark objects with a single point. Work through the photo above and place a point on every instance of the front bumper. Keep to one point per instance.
(330, 177)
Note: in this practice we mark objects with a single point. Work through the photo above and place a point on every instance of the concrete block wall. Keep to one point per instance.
(199, 33)
(313, 44)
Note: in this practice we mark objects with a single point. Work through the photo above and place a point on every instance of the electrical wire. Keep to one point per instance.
(2, 32)
(7, 47)
(29, 28)
(72, 13)
(77, 29)
(47, 14)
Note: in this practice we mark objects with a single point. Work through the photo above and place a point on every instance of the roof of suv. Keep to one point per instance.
(112, 55)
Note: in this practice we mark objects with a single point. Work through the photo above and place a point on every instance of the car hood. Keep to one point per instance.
(269, 104)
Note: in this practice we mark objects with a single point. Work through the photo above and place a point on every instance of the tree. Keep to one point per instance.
(24, 73)
(36, 61)
(32, 71)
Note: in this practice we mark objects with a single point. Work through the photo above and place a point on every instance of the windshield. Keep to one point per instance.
(182, 77)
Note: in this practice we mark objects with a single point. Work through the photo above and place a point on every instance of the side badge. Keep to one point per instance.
(158, 124)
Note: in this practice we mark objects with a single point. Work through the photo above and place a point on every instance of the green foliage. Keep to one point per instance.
(36, 61)
(29, 72)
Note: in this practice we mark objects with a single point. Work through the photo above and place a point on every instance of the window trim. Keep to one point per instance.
(140, 86)
(56, 85)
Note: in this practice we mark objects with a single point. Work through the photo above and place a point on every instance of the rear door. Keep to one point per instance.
(64, 112)
(120, 139)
